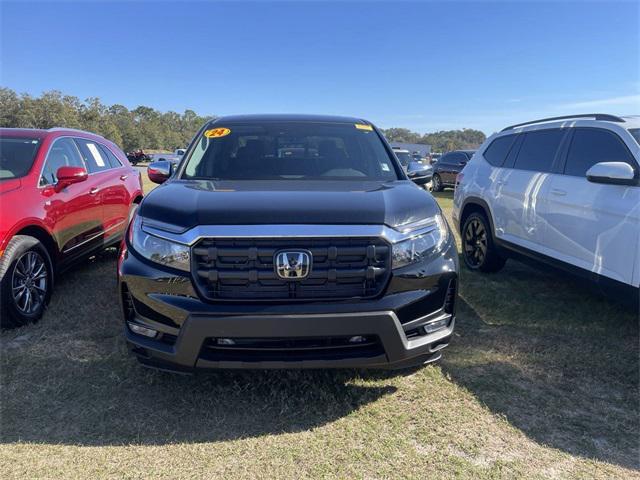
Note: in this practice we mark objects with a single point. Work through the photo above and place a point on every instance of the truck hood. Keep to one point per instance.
(179, 205)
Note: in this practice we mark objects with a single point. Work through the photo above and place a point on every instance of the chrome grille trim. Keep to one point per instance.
(190, 237)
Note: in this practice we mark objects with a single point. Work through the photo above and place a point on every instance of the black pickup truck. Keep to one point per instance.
(287, 241)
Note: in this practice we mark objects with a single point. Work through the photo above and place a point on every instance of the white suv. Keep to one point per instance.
(564, 190)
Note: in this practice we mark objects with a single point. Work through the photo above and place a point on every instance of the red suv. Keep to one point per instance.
(63, 195)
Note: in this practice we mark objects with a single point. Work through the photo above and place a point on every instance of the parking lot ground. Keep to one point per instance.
(540, 381)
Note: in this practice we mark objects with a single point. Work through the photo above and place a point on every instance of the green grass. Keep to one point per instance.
(540, 381)
(147, 184)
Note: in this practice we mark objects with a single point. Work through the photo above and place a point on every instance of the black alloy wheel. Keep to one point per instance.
(29, 283)
(26, 281)
(475, 243)
(478, 248)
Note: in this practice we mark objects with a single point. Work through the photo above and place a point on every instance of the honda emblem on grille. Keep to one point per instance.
(293, 265)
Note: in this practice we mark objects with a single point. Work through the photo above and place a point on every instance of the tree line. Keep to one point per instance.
(442, 141)
(142, 127)
(150, 129)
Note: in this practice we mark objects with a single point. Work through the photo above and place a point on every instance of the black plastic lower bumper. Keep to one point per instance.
(189, 349)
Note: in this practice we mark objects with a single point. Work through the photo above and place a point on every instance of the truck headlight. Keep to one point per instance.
(158, 250)
(421, 243)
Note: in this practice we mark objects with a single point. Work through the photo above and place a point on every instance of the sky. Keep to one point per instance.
(425, 66)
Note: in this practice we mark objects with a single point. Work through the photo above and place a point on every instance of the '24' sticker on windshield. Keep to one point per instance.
(217, 132)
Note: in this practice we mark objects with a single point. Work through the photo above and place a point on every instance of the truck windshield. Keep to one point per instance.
(290, 151)
(16, 156)
(636, 134)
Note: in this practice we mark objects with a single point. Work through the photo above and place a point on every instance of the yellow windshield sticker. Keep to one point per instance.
(217, 132)
(362, 126)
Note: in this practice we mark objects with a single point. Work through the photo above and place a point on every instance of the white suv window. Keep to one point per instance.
(497, 152)
(538, 150)
(594, 145)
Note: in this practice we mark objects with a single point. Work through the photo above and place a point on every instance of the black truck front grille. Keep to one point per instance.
(243, 269)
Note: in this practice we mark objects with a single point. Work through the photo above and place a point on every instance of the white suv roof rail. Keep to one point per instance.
(596, 116)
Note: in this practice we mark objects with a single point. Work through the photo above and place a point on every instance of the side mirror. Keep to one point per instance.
(615, 173)
(419, 173)
(68, 176)
(160, 171)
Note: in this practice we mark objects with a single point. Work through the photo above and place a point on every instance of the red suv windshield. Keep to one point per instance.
(16, 156)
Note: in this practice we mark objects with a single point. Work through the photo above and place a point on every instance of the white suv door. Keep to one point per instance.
(519, 187)
(593, 226)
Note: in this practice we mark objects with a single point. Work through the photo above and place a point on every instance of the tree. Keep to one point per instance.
(444, 141)
(147, 128)
(403, 135)
(9, 107)
(143, 127)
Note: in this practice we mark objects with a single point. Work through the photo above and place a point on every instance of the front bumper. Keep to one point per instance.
(189, 350)
(313, 334)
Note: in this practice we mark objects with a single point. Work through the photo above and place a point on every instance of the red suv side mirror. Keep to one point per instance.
(68, 176)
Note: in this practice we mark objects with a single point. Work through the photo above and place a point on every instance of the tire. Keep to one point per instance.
(479, 251)
(436, 183)
(26, 281)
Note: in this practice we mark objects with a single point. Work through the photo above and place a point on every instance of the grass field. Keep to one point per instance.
(540, 381)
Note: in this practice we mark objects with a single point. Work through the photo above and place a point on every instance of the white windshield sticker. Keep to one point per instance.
(96, 154)
(385, 167)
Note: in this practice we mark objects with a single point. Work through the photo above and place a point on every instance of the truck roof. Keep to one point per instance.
(286, 117)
